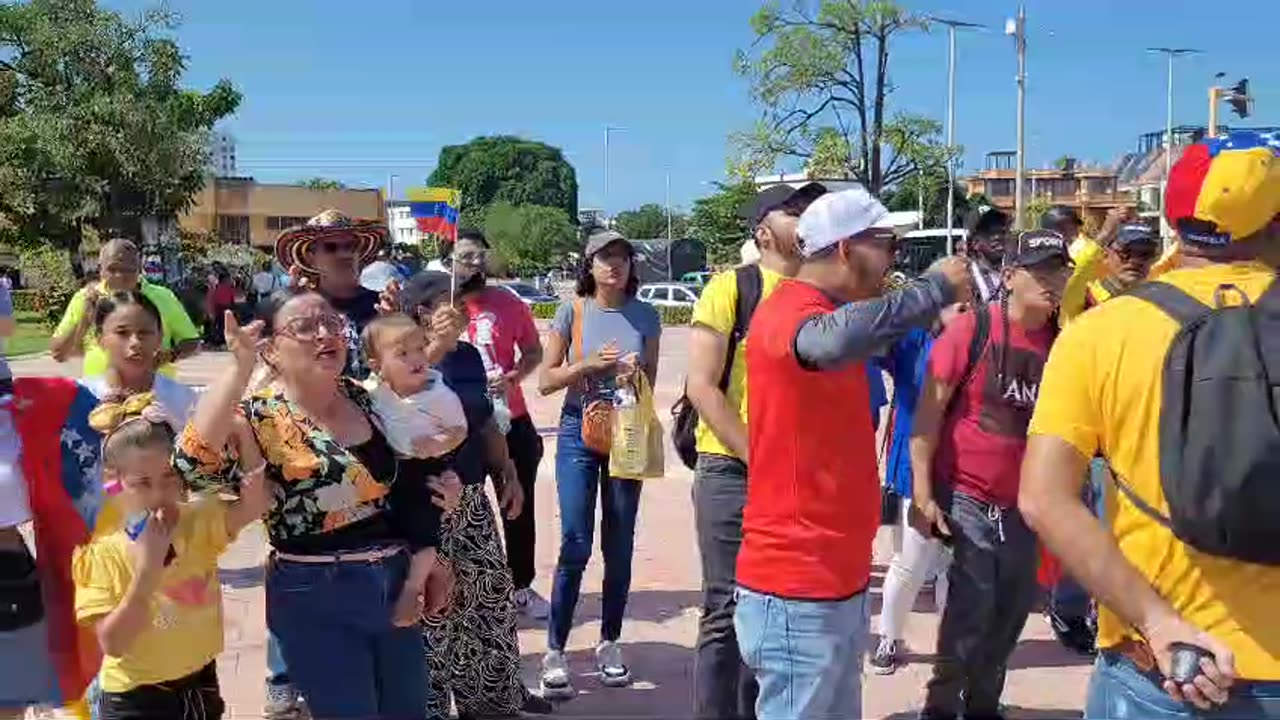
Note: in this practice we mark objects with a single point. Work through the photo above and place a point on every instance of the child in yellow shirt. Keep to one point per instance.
(150, 590)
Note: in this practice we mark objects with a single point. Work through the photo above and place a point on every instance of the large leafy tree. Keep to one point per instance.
(95, 127)
(719, 222)
(649, 221)
(507, 169)
(819, 71)
(529, 239)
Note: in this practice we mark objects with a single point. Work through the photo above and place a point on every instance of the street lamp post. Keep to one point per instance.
(1018, 29)
(951, 120)
(1171, 53)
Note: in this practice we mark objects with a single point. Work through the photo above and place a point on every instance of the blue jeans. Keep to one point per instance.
(332, 622)
(277, 671)
(1067, 598)
(1119, 691)
(806, 655)
(579, 474)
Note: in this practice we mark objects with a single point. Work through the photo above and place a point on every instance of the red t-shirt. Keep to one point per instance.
(498, 324)
(984, 432)
(813, 497)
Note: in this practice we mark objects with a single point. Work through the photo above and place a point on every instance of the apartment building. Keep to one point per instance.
(242, 210)
(1091, 190)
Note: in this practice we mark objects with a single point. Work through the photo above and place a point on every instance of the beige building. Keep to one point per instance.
(242, 210)
(1091, 191)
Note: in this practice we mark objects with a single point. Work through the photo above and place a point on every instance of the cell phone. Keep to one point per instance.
(942, 537)
(136, 523)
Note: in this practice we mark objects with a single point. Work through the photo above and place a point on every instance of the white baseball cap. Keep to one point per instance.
(838, 216)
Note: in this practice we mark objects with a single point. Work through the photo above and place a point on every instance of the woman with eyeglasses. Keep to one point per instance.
(338, 561)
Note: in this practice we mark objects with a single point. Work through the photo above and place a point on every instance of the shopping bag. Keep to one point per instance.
(637, 450)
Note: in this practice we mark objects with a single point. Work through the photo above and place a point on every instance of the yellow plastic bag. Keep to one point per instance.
(637, 451)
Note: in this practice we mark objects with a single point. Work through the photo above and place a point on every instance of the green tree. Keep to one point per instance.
(907, 194)
(507, 169)
(95, 127)
(649, 221)
(719, 222)
(1035, 208)
(320, 183)
(529, 239)
(821, 78)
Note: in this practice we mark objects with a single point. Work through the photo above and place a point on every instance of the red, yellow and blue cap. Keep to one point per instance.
(1225, 188)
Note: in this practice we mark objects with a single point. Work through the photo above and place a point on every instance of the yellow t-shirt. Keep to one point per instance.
(176, 326)
(715, 310)
(185, 633)
(1101, 391)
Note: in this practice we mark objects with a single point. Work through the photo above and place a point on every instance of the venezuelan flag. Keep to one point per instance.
(436, 210)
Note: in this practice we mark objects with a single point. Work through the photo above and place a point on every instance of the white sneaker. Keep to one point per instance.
(282, 703)
(530, 604)
(613, 671)
(554, 678)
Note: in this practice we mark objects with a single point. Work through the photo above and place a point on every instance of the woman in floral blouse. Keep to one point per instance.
(338, 559)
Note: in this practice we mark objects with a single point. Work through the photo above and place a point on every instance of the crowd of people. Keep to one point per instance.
(1073, 419)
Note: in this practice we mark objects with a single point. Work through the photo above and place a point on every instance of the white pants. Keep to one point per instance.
(917, 558)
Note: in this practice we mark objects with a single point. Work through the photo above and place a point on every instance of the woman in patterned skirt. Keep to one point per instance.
(473, 649)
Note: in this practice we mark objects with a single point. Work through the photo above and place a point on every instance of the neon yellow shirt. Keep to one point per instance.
(177, 325)
(715, 310)
(1101, 390)
(185, 632)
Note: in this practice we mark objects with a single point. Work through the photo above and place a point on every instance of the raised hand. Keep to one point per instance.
(241, 341)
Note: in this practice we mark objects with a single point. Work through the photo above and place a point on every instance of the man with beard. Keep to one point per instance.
(987, 230)
(717, 388)
(501, 327)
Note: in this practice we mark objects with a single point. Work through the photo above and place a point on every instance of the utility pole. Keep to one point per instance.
(1018, 29)
(951, 121)
(1165, 231)
(669, 205)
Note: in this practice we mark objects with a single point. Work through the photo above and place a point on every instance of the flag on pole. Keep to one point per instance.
(435, 210)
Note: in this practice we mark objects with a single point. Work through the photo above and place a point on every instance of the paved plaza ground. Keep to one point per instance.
(1044, 681)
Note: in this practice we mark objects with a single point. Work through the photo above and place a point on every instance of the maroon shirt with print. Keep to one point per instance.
(984, 432)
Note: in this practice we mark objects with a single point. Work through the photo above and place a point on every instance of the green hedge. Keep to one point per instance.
(669, 315)
(47, 304)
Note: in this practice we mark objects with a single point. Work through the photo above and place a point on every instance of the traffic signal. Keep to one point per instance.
(1239, 99)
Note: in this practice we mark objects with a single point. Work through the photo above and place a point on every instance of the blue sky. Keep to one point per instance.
(360, 90)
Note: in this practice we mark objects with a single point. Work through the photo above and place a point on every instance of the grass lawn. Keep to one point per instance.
(31, 336)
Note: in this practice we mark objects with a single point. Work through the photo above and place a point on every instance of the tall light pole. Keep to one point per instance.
(608, 130)
(1017, 27)
(1171, 53)
(951, 119)
(668, 174)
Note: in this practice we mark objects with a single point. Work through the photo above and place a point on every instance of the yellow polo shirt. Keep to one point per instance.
(715, 310)
(1102, 391)
(177, 325)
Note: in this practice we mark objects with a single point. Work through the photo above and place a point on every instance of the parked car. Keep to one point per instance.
(528, 294)
(669, 294)
(699, 277)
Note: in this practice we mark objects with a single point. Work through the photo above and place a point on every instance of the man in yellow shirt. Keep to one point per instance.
(723, 686)
(1118, 260)
(1104, 390)
(120, 264)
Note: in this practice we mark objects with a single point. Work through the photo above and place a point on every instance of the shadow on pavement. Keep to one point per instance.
(1044, 653)
(661, 684)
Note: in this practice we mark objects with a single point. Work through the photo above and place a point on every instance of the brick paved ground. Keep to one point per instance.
(1044, 681)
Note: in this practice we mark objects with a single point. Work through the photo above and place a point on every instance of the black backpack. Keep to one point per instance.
(750, 285)
(1219, 437)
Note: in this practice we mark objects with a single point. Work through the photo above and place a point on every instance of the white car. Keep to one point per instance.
(669, 294)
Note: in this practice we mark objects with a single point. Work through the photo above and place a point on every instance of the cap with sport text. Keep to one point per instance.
(839, 216)
(1034, 247)
(794, 200)
(1225, 188)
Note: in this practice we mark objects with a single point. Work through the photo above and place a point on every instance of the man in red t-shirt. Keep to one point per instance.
(813, 492)
(966, 453)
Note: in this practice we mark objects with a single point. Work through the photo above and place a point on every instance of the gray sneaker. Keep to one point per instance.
(554, 679)
(282, 703)
(530, 604)
(885, 659)
(613, 671)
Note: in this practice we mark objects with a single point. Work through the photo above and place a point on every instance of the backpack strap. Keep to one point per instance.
(749, 283)
(1174, 302)
(977, 343)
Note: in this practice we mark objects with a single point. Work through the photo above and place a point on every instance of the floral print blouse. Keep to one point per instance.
(319, 485)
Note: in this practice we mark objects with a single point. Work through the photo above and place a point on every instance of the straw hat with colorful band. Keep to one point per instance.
(1225, 188)
(293, 246)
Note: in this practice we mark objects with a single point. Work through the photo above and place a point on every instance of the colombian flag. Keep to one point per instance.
(436, 210)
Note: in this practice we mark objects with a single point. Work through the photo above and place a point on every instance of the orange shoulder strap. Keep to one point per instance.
(575, 337)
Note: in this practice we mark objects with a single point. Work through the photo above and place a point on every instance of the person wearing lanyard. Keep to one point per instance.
(988, 229)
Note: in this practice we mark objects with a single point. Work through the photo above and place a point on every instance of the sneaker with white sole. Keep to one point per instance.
(554, 678)
(613, 671)
(282, 703)
(532, 605)
(885, 659)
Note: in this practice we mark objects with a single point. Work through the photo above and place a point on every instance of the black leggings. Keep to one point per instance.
(194, 697)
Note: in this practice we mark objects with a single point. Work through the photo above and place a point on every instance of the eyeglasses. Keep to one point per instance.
(308, 327)
(472, 259)
(1143, 255)
(333, 247)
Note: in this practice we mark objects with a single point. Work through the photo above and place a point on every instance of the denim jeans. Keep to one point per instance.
(580, 473)
(277, 671)
(807, 655)
(332, 622)
(1067, 599)
(723, 686)
(1119, 691)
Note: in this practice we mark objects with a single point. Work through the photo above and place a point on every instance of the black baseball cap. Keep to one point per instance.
(1055, 216)
(782, 196)
(984, 220)
(1135, 234)
(1034, 247)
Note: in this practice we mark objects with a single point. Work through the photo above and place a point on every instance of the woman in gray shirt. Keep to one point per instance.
(603, 332)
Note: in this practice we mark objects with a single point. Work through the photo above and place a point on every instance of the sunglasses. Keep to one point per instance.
(308, 328)
(1130, 254)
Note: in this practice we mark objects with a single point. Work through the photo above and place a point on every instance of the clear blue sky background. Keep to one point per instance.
(360, 90)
